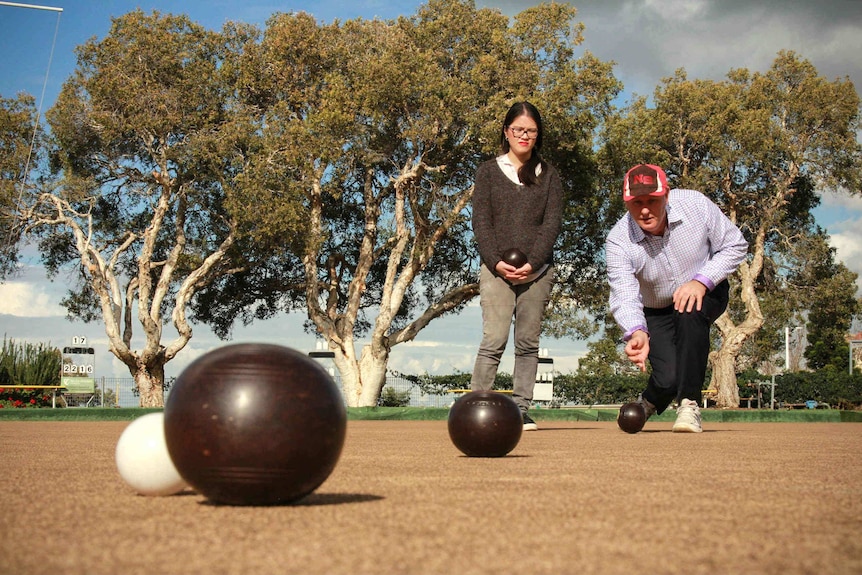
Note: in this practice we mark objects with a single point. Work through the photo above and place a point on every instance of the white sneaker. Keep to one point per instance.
(688, 417)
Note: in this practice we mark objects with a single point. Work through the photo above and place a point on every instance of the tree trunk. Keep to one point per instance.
(149, 383)
(372, 367)
(723, 360)
(724, 377)
(362, 379)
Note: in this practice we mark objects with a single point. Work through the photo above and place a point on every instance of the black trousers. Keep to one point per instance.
(679, 349)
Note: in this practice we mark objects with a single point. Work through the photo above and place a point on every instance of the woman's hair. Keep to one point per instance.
(527, 172)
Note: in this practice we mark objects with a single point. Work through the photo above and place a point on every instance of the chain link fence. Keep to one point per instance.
(120, 392)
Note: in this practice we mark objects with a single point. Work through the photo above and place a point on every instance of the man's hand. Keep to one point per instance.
(637, 349)
(689, 296)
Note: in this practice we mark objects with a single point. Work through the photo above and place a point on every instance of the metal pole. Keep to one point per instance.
(33, 6)
(786, 348)
(772, 394)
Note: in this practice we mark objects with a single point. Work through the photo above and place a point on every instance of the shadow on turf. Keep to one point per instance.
(315, 499)
(545, 429)
(682, 434)
(337, 499)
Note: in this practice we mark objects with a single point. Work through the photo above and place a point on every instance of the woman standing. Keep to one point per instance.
(517, 203)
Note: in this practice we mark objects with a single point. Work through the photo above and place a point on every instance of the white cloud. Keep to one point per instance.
(844, 202)
(677, 10)
(848, 248)
(23, 299)
(650, 39)
(841, 216)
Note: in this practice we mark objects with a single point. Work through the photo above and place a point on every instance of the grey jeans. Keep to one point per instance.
(500, 302)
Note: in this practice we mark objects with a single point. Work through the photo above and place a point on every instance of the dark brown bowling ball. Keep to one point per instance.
(514, 257)
(254, 424)
(485, 424)
(632, 417)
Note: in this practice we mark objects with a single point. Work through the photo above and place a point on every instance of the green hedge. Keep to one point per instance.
(598, 390)
(835, 388)
(839, 389)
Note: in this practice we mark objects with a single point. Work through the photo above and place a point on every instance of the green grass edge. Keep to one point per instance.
(442, 413)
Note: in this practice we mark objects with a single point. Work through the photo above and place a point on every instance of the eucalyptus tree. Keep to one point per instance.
(763, 146)
(378, 126)
(20, 151)
(828, 289)
(810, 290)
(148, 140)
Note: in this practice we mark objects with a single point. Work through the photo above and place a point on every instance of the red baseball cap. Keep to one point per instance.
(644, 180)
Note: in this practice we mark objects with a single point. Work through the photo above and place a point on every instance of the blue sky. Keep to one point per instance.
(647, 39)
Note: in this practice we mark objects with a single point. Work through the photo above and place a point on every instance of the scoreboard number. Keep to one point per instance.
(74, 369)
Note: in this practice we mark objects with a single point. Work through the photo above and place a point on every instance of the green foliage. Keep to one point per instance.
(28, 364)
(17, 120)
(25, 398)
(17, 117)
(831, 297)
(392, 398)
(590, 389)
(441, 384)
(605, 356)
(837, 388)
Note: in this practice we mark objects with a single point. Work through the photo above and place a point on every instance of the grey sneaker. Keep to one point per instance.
(529, 424)
(688, 417)
(649, 408)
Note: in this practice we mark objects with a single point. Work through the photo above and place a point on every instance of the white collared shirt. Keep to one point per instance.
(508, 168)
(699, 243)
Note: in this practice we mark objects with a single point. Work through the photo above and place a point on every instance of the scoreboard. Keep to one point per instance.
(78, 369)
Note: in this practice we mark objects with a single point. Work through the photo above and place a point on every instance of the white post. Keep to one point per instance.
(786, 348)
(772, 394)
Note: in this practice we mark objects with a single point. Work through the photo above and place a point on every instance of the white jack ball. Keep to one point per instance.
(143, 460)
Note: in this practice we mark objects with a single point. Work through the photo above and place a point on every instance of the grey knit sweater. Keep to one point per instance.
(507, 215)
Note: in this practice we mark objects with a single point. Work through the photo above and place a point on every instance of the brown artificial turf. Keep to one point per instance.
(574, 497)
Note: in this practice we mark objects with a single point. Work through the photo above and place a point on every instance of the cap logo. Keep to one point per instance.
(643, 179)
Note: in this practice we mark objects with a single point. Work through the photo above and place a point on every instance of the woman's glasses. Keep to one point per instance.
(521, 132)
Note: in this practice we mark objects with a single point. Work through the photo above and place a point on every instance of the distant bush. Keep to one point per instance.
(834, 387)
(392, 398)
(28, 364)
(440, 384)
(582, 389)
